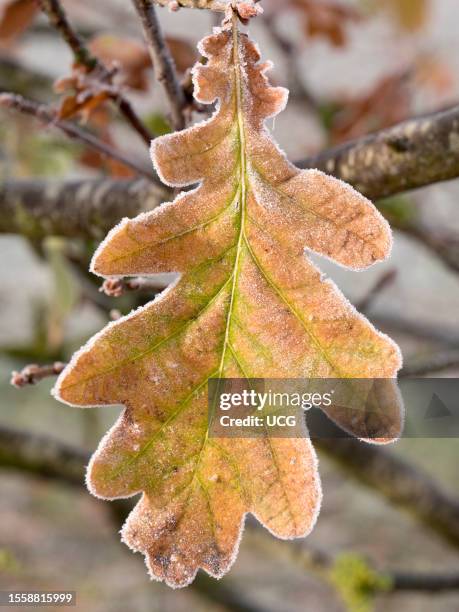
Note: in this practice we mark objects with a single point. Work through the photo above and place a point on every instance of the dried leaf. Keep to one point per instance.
(132, 58)
(389, 102)
(15, 17)
(84, 92)
(248, 303)
(322, 18)
(328, 20)
(183, 52)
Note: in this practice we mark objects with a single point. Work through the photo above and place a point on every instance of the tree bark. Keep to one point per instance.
(74, 209)
(398, 481)
(412, 154)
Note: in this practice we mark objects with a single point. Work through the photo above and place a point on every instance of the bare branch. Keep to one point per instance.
(390, 178)
(429, 583)
(82, 55)
(74, 209)
(58, 19)
(48, 116)
(43, 456)
(431, 364)
(444, 246)
(398, 481)
(412, 154)
(33, 373)
(321, 562)
(444, 334)
(213, 5)
(162, 61)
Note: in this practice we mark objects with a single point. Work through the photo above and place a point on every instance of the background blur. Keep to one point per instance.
(350, 72)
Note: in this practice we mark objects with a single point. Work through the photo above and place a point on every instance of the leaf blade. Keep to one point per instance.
(247, 303)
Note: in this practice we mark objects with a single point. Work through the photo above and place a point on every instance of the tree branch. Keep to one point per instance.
(48, 116)
(376, 176)
(58, 19)
(162, 61)
(46, 457)
(74, 209)
(43, 456)
(118, 287)
(430, 583)
(398, 481)
(213, 5)
(385, 280)
(444, 246)
(321, 563)
(412, 154)
(433, 363)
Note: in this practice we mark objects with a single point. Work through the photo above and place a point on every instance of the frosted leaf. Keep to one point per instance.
(248, 302)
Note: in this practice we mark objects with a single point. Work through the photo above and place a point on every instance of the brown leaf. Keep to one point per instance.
(84, 92)
(387, 103)
(326, 19)
(183, 52)
(132, 57)
(248, 303)
(15, 17)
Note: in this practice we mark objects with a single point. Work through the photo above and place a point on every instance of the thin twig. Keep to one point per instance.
(425, 582)
(443, 245)
(48, 116)
(116, 287)
(444, 334)
(432, 364)
(163, 62)
(213, 5)
(33, 373)
(384, 281)
(82, 55)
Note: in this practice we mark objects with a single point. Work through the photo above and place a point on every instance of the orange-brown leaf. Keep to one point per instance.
(132, 57)
(326, 19)
(248, 303)
(84, 92)
(386, 104)
(15, 17)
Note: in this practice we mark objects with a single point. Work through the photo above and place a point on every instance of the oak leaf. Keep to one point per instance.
(247, 303)
(15, 17)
